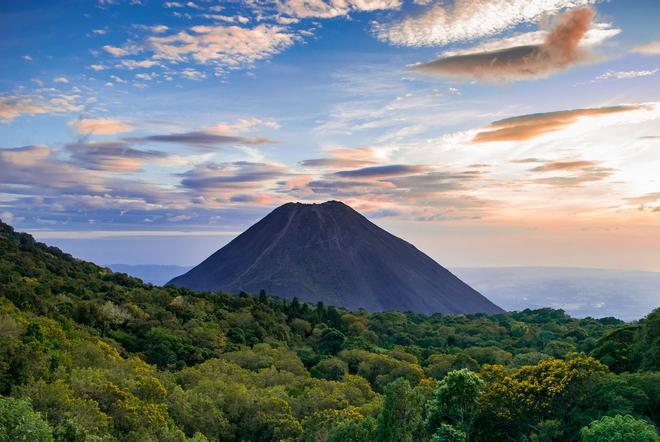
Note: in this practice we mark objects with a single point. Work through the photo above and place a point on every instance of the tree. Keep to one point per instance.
(335, 425)
(365, 430)
(619, 429)
(331, 341)
(448, 433)
(19, 422)
(551, 389)
(332, 369)
(440, 364)
(456, 404)
(401, 417)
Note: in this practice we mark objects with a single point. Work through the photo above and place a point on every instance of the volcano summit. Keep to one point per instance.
(329, 252)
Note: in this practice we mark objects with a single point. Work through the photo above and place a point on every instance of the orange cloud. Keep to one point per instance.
(342, 157)
(650, 48)
(99, 126)
(560, 50)
(526, 127)
(564, 165)
(299, 182)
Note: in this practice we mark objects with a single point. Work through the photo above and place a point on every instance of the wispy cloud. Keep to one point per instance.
(381, 171)
(12, 106)
(99, 126)
(650, 48)
(342, 158)
(526, 127)
(203, 139)
(227, 46)
(111, 156)
(468, 20)
(332, 8)
(552, 166)
(625, 75)
(221, 177)
(560, 50)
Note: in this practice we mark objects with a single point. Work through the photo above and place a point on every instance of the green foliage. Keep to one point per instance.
(619, 429)
(19, 422)
(332, 369)
(633, 348)
(91, 355)
(401, 419)
(449, 433)
(357, 430)
(455, 406)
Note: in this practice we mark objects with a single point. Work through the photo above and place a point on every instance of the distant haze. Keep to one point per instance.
(581, 292)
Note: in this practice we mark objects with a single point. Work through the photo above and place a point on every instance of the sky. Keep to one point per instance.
(485, 132)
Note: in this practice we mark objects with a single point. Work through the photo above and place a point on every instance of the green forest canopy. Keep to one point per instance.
(91, 355)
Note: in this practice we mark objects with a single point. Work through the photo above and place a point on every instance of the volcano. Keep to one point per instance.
(329, 252)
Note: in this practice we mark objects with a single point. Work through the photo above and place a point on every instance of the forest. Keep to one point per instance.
(91, 355)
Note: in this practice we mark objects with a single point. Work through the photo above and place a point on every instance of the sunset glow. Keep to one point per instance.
(530, 137)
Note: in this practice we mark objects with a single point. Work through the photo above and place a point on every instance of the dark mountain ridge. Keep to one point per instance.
(329, 252)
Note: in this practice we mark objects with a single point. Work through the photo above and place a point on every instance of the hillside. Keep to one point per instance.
(91, 355)
(329, 252)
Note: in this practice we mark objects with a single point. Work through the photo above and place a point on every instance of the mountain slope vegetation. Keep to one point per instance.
(91, 355)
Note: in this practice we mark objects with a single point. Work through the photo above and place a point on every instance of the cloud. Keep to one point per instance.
(37, 166)
(598, 33)
(560, 50)
(135, 64)
(564, 165)
(24, 156)
(228, 46)
(192, 74)
(625, 75)
(645, 199)
(203, 138)
(53, 184)
(381, 171)
(526, 127)
(527, 160)
(468, 20)
(650, 48)
(224, 176)
(332, 163)
(251, 198)
(332, 8)
(111, 156)
(61, 80)
(99, 126)
(343, 158)
(243, 125)
(12, 106)
(586, 175)
(117, 52)
(571, 173)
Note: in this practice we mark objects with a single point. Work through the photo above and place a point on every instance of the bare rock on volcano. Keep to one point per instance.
(329, 252)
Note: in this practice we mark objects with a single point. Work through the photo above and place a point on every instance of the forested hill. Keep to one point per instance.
(91, 355)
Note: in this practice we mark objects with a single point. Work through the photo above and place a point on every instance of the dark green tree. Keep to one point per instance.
(619, 428)
(401, 417)
(456, 403)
